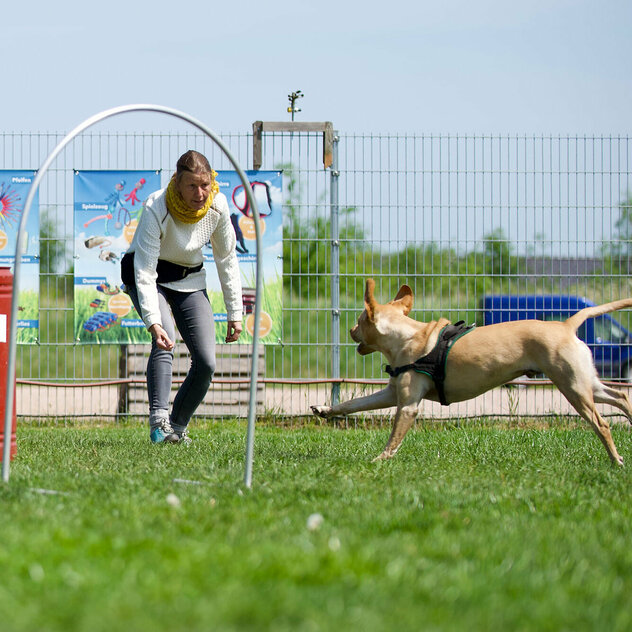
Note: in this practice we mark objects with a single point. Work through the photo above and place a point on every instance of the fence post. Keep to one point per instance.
(335, 272)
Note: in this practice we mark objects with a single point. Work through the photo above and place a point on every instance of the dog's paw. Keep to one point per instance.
(322, 411)
(384, 456)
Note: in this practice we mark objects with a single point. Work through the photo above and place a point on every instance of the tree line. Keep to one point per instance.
(493, 266)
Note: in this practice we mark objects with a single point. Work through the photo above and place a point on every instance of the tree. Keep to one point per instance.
(497, 252)
(622, 247)
(53, 258)
(52, 247)
(307, 244)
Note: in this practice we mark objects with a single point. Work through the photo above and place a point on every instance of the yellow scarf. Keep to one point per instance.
(180, 210)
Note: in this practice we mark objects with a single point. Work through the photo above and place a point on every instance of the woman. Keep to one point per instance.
(163, 275)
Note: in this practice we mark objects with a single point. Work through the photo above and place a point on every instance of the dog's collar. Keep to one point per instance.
(398, 370)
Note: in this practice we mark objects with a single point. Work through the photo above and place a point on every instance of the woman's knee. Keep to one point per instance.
(203, 364)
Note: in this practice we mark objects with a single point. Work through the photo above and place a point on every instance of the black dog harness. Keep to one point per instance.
(433, 363)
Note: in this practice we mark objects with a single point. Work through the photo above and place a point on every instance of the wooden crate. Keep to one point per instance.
(234, 362)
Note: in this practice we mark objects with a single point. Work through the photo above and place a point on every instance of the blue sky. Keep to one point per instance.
(410, 66)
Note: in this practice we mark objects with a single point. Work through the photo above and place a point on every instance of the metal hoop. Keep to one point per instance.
(18, 257)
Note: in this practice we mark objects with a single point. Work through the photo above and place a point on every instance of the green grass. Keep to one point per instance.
(475, 527)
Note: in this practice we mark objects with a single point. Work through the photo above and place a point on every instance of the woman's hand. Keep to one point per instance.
(233, 330)
(161, 337)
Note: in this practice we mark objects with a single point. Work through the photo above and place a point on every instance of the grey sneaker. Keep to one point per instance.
(184, 438)
(163, 433)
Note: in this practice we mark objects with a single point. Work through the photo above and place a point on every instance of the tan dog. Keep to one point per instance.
(485, 358)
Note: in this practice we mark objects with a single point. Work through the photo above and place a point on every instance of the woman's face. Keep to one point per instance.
(194, 189)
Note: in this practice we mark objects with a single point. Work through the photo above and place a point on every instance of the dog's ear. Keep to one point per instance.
(369, 299)
(405, 297)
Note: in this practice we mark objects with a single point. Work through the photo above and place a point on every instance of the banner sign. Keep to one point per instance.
(108, 205)
(267, 190)
(14, 188)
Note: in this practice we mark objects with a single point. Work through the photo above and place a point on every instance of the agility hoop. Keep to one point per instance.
(19, 249)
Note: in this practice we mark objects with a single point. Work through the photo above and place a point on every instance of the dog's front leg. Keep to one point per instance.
(404, 418)
(411, 388)
(385, 398)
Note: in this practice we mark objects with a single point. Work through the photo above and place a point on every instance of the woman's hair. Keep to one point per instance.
(193, 162)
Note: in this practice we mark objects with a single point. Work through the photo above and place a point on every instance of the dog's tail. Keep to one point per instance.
(598, 310)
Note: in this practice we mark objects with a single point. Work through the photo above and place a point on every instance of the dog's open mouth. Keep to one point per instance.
(362, 347)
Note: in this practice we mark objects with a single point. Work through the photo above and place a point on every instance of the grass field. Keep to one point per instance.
(473, 526)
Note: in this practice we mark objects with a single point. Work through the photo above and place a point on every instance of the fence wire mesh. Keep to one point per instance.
(456, 217)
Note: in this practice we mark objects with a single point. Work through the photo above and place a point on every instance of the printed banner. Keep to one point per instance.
(14, 188)
(107, 207)
(267, 190)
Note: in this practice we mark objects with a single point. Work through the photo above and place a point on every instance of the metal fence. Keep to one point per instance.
(455, 217)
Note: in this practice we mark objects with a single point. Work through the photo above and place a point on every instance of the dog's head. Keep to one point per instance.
(378, 322)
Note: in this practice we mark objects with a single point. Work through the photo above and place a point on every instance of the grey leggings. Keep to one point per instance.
(194, 318)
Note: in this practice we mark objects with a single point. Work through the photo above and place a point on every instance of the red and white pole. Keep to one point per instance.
(8, 449)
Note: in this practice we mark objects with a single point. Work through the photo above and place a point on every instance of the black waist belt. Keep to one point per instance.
(433, 363)
(167, 271)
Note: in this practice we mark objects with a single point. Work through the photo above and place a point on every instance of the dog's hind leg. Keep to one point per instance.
(584, 404)
(411, 389)
(606, 395)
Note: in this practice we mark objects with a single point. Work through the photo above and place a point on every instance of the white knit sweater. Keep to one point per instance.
(160, 236)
